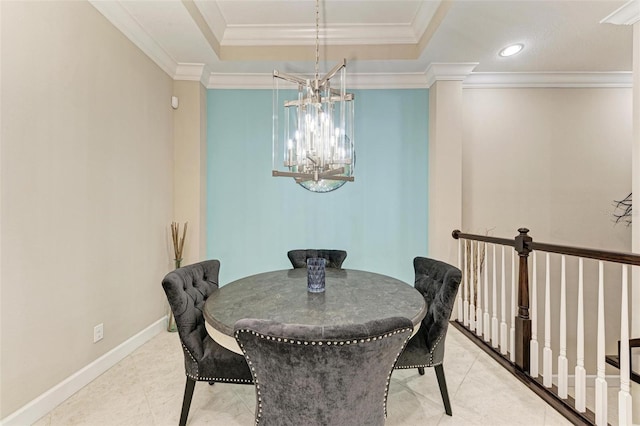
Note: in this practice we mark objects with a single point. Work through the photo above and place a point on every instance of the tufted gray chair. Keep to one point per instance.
(334, 258)
(438, 282)
(314, 375)
(187, 289)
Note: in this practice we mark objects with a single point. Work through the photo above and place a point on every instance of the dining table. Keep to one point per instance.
(350, 297)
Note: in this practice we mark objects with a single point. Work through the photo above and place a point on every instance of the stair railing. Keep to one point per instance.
(514, 336)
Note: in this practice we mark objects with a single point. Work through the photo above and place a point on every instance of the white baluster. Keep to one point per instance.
(601, 383)
(547, 353)
(486, 322)
(460, 315)
(580, 372)
(563, 362)
(465, 274)
(624, 396)
(503, 311)
(494, 306)
(472, 293)
(514, 309)
(479, 292)
(533, 351)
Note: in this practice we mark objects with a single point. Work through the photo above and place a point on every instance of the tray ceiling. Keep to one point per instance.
(202, 38)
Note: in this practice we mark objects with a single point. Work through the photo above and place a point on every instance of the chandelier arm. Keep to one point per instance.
(345, 178)
(341, 178)
(333, 72)
(333, 172)
(289, 77)
(334, 98)
(303, 177)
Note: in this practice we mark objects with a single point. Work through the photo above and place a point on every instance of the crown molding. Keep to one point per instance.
(212, 14)
(424, 17)
(449, 71)
(354, 81)
(548, 79)
(627, 14)
(297, 35)
(123, 21)
(239, 81)
(422, 80)
(192, 72)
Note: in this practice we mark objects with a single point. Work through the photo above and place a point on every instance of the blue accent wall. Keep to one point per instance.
(253, 219)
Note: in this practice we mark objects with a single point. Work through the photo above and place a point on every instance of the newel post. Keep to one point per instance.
(523, 321)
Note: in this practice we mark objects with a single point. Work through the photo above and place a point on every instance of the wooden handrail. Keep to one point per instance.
(606, 255)
(609, 256)
(485, 238)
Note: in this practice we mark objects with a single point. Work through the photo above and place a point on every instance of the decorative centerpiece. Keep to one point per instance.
(315, 274)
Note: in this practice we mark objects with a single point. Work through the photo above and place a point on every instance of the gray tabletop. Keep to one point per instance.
(351, 297)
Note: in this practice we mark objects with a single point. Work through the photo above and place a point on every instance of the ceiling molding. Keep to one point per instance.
(203, 25)
(239, 81)
(627, 14)
(354, 81)
(549, 80)
(449, 72)
(212, 14)
(291, 35)
(123, 21)
(434, 23)
(192, 72)
(421, 80)
(425, 14)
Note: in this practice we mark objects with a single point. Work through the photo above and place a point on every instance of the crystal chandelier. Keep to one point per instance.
(317, 148)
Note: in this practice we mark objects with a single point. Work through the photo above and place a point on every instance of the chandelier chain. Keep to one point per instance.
(317, 39)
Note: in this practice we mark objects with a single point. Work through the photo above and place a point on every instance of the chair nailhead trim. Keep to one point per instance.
(430, 364)
(218, 379)
(186, 350)
(199, 378)
(320, 343)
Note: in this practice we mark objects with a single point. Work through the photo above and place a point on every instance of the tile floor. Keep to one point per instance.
(146, 388)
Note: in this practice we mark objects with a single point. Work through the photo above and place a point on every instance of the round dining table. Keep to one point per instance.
(350, 297)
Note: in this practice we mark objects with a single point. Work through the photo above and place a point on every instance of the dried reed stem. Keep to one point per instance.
(178, 244)
(474, 267)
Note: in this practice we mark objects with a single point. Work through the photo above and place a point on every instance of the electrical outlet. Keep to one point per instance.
(98, 332)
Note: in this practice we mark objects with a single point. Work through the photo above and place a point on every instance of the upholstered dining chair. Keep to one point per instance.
(438, 283)
(334, 258)
(315, 375)
(187, 289)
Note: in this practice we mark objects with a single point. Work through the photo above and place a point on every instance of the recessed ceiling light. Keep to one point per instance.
(511, 50)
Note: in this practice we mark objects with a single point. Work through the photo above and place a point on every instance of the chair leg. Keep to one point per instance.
(421, 371)
(186, 401)
(442, 383)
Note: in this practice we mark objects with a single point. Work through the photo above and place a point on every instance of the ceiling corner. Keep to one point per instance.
(627, 14)
(120, 18)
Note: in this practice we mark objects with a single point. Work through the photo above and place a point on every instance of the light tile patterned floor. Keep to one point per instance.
(146, 388)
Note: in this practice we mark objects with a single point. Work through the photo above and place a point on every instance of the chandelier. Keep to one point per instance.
(317, 148)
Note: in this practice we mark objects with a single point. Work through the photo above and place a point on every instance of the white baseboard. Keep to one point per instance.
(43, 404)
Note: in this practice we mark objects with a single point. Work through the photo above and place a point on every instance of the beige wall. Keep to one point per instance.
(445, 168)
(552, 160)
(87, 176)
(190, 153)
